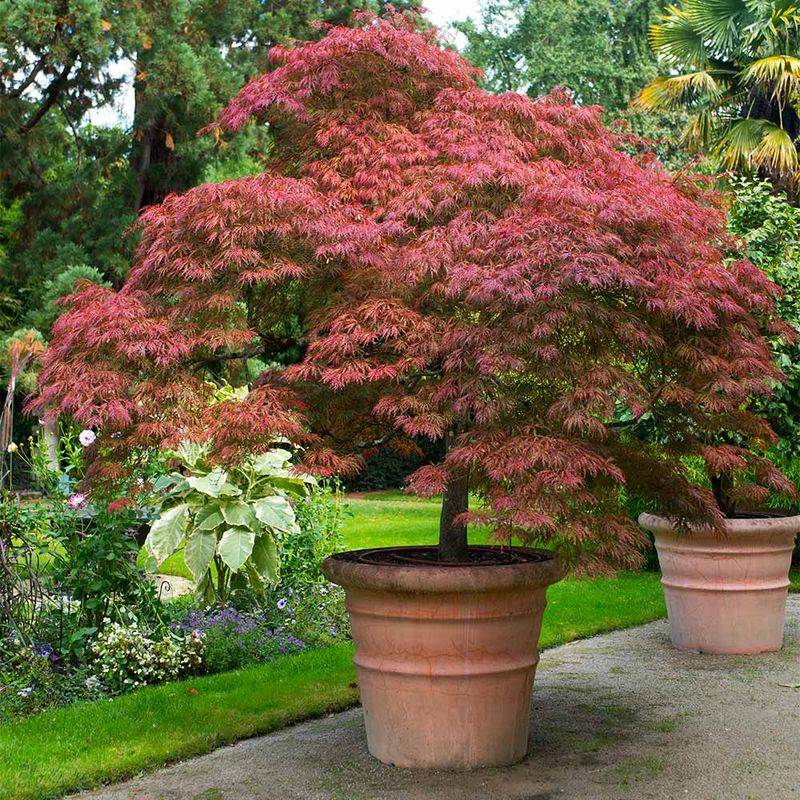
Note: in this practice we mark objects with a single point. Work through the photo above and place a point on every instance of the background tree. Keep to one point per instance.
(69, 190)
(596, 48)
(734, 65)
(486, 270)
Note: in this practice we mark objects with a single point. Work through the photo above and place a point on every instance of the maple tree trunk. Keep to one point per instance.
(722, 487)
(452, 534)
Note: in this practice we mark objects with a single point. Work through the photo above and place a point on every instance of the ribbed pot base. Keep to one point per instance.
(446, 656)
(726, 595)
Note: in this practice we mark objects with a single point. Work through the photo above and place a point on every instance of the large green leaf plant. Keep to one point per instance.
(228, 521)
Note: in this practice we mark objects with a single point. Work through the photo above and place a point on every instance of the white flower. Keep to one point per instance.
(12, 448)
(87, 437)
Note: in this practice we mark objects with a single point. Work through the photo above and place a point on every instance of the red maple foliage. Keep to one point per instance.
(490, 269)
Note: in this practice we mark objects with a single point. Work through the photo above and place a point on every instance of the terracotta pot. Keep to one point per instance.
(726, 594)
(445, 653)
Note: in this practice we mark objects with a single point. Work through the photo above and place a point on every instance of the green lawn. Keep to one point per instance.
(382, 519)
(83, 745)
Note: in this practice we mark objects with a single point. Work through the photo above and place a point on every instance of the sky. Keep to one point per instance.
(440, 12)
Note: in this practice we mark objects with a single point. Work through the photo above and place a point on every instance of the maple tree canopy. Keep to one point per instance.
(490, 269)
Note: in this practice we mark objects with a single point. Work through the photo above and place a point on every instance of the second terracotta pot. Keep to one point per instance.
(446, 653)
(726, 594)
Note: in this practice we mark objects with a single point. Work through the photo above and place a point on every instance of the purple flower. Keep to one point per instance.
(282, 603)
(45, 650)
(77, 500)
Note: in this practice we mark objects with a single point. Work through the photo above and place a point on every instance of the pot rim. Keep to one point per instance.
(743, 525)
(441, 578)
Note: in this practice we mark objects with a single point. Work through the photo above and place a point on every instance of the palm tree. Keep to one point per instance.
(734, 65)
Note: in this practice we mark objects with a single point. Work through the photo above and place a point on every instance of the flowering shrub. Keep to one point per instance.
(318, 615)
(126, 657)
(234, 638)
(96, 567)
(33, 678)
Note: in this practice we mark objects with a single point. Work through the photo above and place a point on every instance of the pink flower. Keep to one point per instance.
(77, 500)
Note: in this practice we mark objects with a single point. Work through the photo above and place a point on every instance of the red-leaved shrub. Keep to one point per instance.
(486, 268)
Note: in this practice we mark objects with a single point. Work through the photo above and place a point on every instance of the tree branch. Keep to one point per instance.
(30, 79)
(51, 95)
(270, 346)
(387, 437)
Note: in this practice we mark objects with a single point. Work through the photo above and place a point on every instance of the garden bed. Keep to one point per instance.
(90, 743)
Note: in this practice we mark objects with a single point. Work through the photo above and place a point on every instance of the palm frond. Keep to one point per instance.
(675, 39)
(700, 129)
(775, 151)
(736, 146)
(785, 15)
(666, 93)
(772, 23)
(777, 73)
(719, 22)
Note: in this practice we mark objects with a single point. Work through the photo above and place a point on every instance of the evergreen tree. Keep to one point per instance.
(69, 190)
(596, 48)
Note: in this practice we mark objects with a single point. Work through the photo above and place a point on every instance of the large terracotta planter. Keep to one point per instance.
(726, 594)
(445, 653)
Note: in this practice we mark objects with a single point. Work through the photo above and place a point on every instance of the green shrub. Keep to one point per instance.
(385, 468)
(770, 228)
(34, 678)
(95, 566)
(319, 516)
(228, 521)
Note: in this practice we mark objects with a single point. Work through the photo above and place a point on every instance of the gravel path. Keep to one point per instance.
(618, 716)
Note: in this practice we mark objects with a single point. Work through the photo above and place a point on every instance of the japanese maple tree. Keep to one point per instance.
(491, 270)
